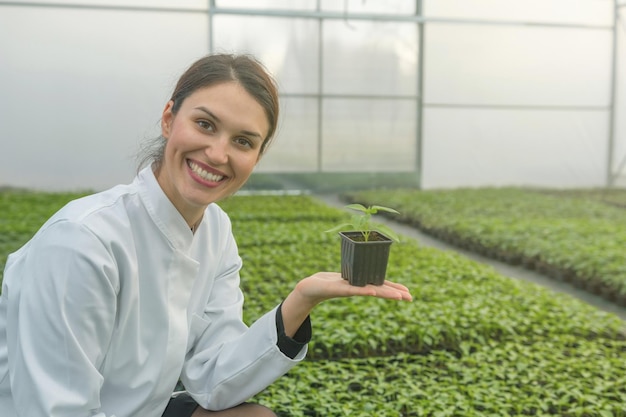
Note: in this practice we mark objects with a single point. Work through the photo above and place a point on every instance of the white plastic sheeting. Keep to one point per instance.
(516, 105)
(81, 88)
(619, 155)
(514, 93)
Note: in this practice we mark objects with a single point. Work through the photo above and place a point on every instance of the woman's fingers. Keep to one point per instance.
(404, 291)
(393, 290)
(389, 290)
(326, 285)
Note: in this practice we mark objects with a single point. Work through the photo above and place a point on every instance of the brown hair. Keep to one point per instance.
(215, 69)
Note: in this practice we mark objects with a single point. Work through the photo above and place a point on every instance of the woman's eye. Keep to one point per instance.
(205, 125)
(244, 142)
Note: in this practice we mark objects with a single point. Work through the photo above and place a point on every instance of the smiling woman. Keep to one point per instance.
(214, 140)
(122, 293)
(220, 119)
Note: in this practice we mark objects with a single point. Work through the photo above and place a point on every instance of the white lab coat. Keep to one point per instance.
(114, 299)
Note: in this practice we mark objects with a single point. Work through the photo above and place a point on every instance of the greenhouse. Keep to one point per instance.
(495, 129)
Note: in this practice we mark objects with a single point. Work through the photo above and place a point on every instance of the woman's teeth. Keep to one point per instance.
(204, 174)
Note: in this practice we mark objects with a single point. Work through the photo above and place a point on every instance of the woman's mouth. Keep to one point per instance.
(204, 174)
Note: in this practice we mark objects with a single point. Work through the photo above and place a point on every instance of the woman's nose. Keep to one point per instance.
(217, 150)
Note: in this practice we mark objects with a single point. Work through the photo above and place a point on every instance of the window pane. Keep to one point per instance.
(598, 12)
(370, 6)
(289, 49)
(369, 135)
(494, 65)
(268, 4)
(485, 147)
(371, 58)
(295, 146)
(78, 97)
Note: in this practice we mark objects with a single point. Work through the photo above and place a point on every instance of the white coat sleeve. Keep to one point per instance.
(229, 362)
(60, 318)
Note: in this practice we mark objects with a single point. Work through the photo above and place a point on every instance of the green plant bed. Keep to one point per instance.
(612, 196)
(563, 377)
(278, 208)
(472, 343)
(22, 212)
(456, 301)
(577, 239)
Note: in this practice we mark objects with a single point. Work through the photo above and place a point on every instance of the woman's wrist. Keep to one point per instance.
(295, 309)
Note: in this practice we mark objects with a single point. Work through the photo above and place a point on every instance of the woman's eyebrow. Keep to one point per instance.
(207, 111)
(217, 119)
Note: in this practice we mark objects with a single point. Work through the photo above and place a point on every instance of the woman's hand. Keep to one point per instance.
(326, 285)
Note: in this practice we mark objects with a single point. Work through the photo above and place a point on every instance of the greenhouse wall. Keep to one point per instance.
(451, 93)
(619, 157)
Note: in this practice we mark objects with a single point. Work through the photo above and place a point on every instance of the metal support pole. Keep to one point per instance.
(621, 166)
(419, 148)
(610, 175)
(211, 5)
(320, 89)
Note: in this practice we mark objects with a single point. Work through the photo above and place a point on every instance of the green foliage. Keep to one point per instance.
(541, 378)
(578, 236)
(362, 222)
(472, 343)
(22, 213)
(278, 208)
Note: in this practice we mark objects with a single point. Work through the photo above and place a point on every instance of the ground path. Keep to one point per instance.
(502, 268)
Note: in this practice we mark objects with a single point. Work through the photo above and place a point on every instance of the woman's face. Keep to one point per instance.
(213, 144)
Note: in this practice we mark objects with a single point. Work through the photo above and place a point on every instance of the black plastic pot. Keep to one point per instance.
(363, 262)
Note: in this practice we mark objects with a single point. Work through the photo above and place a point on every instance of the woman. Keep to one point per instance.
(122, 293)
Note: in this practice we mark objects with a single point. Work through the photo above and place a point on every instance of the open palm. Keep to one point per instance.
(326, 285)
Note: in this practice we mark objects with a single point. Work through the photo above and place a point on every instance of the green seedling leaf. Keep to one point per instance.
(362, 222)
(382, 208)
(358, 207)
(340, 228)
(387, 231)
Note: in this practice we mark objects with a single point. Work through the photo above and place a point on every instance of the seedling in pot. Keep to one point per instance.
(362, 222)
(365, 246)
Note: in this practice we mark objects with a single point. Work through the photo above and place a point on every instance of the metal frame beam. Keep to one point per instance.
(101, 7)
(310, 14)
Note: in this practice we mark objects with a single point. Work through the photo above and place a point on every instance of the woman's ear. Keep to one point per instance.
(166, 119)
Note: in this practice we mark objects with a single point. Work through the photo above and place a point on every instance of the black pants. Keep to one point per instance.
(180, 406)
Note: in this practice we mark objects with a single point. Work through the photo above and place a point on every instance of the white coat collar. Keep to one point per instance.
(164, 214)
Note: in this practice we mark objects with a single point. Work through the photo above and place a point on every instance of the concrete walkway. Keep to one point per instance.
(502, 268)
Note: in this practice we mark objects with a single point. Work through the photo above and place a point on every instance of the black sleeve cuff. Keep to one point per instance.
(291, 347)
